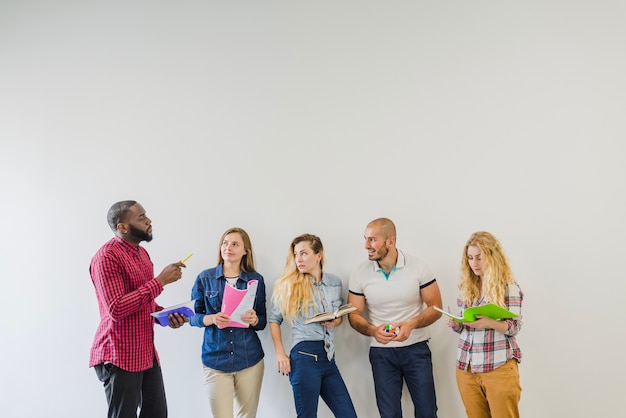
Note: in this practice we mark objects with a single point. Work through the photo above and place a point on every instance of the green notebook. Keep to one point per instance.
(490, 310)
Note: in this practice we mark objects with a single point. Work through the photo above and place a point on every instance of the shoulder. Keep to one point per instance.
(361, 274)
(110, 249)
(364, 267)
(410, 258)
(253, 275)
(414, 262)
(208, 273)
(513, 289)
(332, 279)
(110, 245)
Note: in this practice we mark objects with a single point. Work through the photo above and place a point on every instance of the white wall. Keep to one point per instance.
(291, 117)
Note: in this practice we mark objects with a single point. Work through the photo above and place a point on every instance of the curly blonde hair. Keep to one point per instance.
(293, 291)
(496, 271)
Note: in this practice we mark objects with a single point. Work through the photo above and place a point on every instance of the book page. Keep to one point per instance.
(320, 317)
(456, 318)
(344, 309)
(329, 316)
(237, 301)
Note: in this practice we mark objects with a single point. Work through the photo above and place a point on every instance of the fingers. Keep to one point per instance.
(284, 367)
(252, 318)
(177, 272)
(221, 319)
(177, 320)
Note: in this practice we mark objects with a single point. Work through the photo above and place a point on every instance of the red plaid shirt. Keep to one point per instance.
(123, 277)
(485, 350)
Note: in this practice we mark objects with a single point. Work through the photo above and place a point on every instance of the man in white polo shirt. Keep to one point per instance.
(399, 291)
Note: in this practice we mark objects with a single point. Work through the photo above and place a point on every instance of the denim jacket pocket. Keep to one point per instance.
(214, 301)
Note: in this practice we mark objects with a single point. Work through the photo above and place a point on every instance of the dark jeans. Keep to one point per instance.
(312, 376)
(413, 364)
(128, 391)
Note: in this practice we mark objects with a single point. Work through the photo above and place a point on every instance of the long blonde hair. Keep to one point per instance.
(293, 291)
(496, 271)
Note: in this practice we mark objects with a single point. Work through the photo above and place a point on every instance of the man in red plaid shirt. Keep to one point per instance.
(123, 353)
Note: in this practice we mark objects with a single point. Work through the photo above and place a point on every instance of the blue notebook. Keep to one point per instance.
(186, 308)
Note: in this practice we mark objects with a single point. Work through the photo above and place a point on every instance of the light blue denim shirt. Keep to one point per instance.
(328, 297)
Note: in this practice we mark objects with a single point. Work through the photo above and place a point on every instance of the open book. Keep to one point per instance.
(185, 308)
(237, 301)
(329, 316)
(489, 310)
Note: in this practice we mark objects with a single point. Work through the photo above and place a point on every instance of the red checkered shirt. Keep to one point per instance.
(487, 349)
(123, 278)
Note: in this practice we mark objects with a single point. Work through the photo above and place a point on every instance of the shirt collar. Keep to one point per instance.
(127, 245)
(400, 263)
(219, 273)
(314, 282)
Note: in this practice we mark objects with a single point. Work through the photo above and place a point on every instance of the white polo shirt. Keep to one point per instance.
(394, 298)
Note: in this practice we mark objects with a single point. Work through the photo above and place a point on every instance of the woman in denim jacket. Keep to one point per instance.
(303, 291)
(232, 356)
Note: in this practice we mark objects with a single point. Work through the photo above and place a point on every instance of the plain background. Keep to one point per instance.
(289, 117)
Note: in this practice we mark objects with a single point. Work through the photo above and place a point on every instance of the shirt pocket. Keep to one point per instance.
(213, 300)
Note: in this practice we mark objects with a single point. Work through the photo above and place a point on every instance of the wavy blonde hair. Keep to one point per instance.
(496, 271)
(293, 291)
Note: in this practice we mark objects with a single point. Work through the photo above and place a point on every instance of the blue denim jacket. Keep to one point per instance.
(229, 349)
(328, 297)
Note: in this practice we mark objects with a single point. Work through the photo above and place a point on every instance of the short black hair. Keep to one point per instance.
(119, 212)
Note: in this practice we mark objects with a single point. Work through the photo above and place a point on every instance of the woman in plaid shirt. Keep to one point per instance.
(487, 360)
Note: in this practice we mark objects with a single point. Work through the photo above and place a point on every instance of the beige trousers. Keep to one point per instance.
(234, 394)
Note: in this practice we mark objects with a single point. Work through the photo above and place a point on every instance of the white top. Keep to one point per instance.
(395, 299)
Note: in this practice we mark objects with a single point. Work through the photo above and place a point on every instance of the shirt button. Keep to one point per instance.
(327, 345)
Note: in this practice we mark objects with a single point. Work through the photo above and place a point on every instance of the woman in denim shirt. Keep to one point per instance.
(232, 357)
(303, 291)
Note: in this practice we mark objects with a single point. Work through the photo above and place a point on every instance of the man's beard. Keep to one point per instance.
(380, 254)
(139, 234)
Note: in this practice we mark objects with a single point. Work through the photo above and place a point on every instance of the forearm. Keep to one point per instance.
(500, 326)
(121, 305)
(360, 324)
(426, 318)
(277, 338)
(208, 320)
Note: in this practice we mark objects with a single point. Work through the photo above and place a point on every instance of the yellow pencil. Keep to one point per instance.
(187, 258)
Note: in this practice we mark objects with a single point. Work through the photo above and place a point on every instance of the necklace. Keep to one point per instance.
(232, 280)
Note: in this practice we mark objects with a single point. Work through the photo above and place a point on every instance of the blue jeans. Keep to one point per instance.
(127, 391)
(312, 376)
(413, 364)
